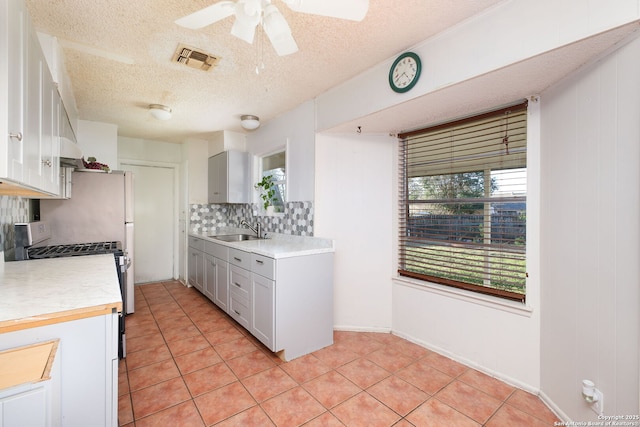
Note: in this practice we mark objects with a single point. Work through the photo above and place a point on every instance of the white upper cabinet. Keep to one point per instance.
(29, 101)
(229, 177)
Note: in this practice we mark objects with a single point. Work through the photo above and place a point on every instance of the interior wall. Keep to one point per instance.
(354, 207)
(296, 131)
(498, 337)
(503, 35)
(99, 140)
(591, 206)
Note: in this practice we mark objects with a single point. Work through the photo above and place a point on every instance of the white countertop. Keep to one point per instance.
(39, 292)
(276, 245)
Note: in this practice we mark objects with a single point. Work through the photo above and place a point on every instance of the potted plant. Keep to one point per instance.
(267, 192)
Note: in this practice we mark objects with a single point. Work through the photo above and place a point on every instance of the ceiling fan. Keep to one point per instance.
(250, 13)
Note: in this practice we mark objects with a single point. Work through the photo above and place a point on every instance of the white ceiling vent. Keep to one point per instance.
(194, 58)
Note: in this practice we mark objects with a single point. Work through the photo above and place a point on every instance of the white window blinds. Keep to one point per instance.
(463, 203)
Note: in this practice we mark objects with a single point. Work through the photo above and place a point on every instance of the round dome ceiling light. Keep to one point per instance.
(249, 122)
(160, 112)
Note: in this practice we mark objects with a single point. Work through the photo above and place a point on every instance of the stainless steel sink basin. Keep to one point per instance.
(235, 237)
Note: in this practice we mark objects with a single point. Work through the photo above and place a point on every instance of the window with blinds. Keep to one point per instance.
(463, 202)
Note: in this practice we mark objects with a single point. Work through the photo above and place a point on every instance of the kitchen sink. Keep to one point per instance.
(235, 237)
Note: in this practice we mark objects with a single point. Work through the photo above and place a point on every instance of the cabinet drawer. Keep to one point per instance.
(196, 243)
(263, 266)
(240, 282)
(239, 310)
(240, 258)
(218, 251)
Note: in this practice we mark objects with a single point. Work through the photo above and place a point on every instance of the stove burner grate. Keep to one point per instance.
(76, 249)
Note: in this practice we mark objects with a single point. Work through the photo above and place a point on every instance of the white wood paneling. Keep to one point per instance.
(591, 205)
(354, 206)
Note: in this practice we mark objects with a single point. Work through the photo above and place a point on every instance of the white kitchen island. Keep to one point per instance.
(75, 301)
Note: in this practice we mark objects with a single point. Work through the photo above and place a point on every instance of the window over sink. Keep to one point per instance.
(274, 165)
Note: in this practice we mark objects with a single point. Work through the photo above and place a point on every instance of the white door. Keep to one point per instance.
(154, 222)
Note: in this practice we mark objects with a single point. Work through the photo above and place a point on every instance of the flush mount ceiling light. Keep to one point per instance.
(160, 112)
(249, 122)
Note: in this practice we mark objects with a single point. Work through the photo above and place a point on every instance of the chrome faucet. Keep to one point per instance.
(257, 229)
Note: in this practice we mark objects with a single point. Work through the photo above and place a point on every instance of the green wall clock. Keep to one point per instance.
(405, 72)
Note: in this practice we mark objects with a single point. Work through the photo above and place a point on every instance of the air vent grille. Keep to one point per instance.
(194, 58)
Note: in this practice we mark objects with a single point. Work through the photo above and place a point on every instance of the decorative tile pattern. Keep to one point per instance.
(219, 375)
(297, 218)
(12, 210)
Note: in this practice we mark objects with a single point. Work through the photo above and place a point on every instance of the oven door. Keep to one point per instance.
(121, 264)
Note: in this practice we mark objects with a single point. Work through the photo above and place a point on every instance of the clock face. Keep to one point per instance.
(405, 72)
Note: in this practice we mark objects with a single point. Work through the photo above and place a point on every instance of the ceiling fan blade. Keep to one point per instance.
(278, 31)
(208, 15)
(354, 10)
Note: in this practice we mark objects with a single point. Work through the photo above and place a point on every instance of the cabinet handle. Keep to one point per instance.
(237, 259)
(236, 312)
(47, 163)
(259, 262)
(17, 136)
(237, 284)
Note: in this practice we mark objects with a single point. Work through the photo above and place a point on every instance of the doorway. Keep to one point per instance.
(155, 220)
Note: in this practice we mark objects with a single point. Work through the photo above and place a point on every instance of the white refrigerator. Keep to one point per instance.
(100, 210)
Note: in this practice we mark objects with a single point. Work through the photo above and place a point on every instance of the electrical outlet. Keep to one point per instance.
(598, 405)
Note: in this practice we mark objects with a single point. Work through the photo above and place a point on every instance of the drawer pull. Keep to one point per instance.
(236, 312)
(237, 259)
(259, 262)
(237, 284)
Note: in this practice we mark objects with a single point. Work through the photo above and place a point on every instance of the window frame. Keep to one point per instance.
(405, 205)
(283, 182)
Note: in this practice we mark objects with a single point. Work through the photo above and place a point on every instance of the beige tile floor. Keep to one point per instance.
(189, 364)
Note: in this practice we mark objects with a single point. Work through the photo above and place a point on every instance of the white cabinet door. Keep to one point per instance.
(217, 178)
(14, 20)
(49, 146)
(196, 269)
(229, 177)
(210, 276)
(221, 291)
(33, 123)
(263, 316)
(26, 409)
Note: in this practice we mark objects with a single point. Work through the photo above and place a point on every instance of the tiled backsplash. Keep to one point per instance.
(12, 210)
(297, 218)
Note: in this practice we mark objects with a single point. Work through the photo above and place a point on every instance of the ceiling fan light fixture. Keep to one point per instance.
(249, 122)
(248, 13)
(160, 112)
(243, 31)
(278, 31)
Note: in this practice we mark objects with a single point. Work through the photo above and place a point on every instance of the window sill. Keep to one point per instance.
(467, 296)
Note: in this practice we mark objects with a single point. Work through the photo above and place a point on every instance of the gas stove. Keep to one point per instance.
(75, 249)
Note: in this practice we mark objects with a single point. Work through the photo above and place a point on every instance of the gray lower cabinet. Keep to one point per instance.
(216, 286)
(263, 313)
(217, 274)
(196, 267)
(240, 301)
(286, 303)
(292, 303)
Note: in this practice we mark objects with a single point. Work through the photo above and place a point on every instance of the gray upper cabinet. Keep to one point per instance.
(229, 177)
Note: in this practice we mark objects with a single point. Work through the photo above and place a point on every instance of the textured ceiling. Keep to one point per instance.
(131, 43)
